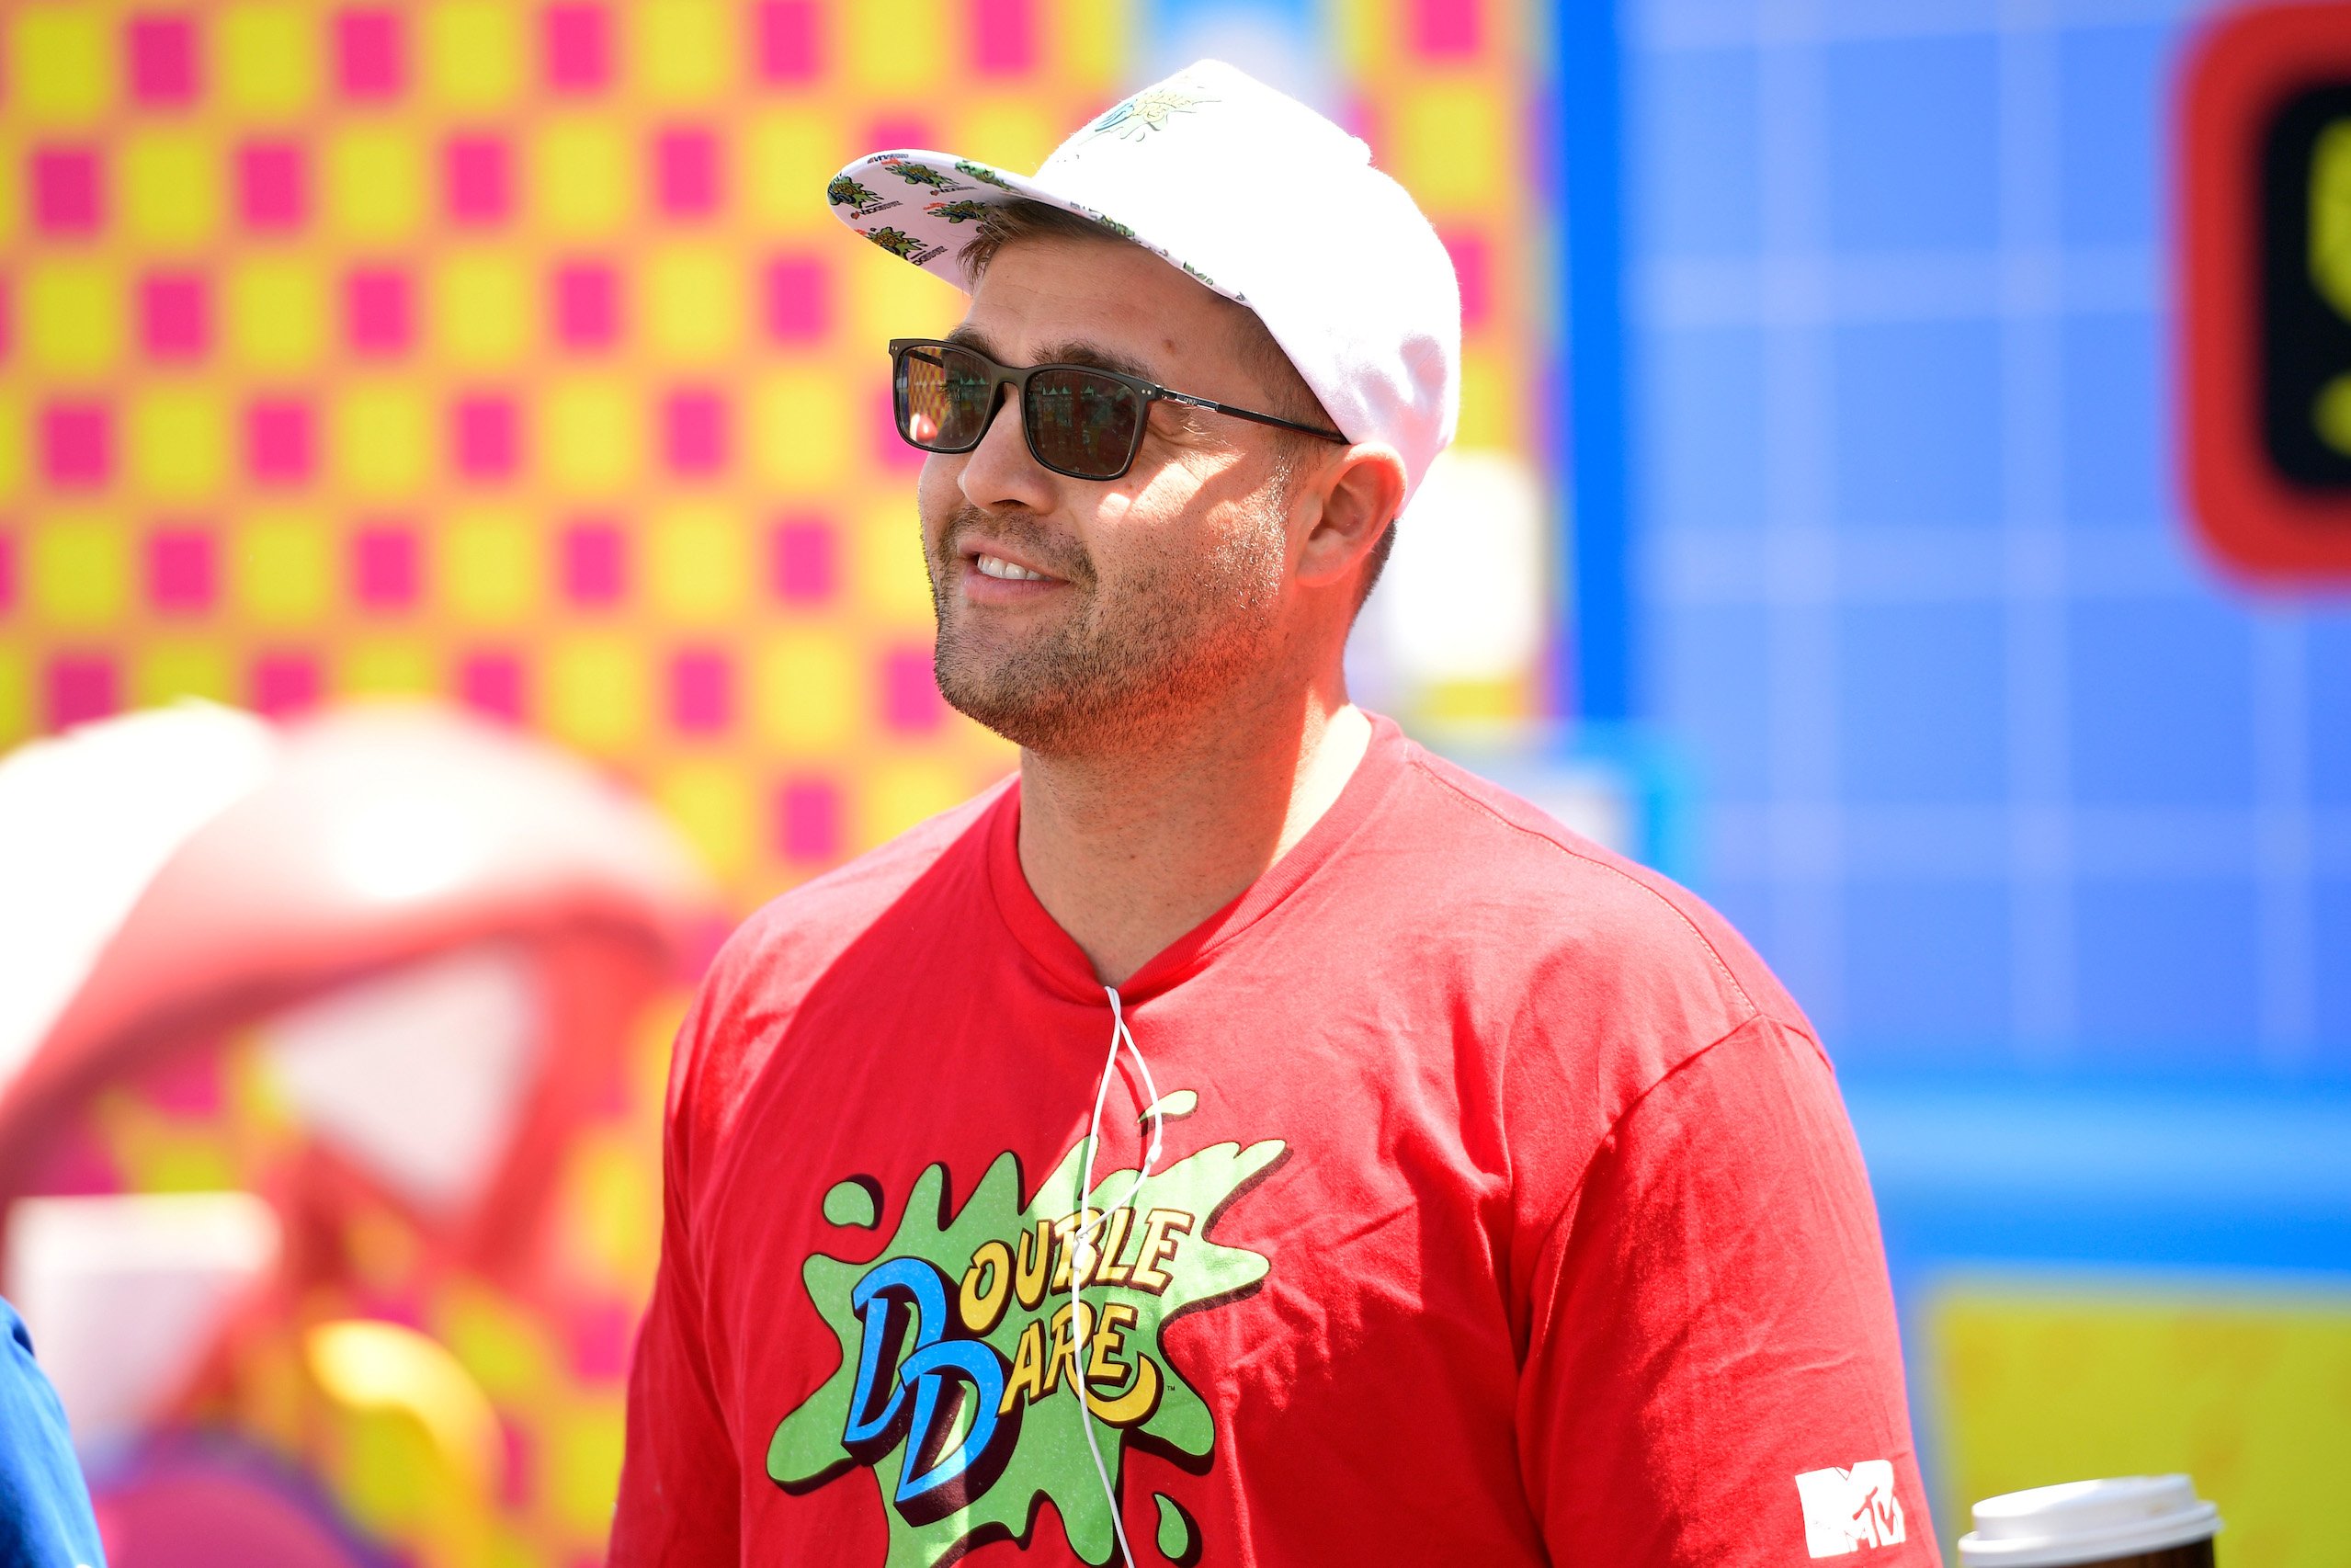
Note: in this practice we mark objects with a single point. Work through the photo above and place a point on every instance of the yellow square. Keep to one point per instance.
(266, 58)
(11, 199)
(380, 436)
(471, 53)
(591, 438)
(373, 185)
(482, 308)
(800, 429)
(889, 299)
(489, 569)
(1489, 406)
(1089, 45)
(71, 315)
(1361, 34)
(12, 444)
(77, 570)
(693, 302)
(171, 189)
(897, 794)
(583, 178)
(598, 693)
(15, 697)
(387, 667)
(62, 69)
(685, 50)
(714, 805)
(699, 562)
(178, 440)
(1451, 148)
(281, 568)
(274, 310)
(892, 583)
(788, 155)
(897, 46)
(1011, 132)
(807, 691)
(169, 671)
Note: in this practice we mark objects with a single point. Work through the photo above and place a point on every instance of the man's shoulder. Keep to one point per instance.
(1502, 863)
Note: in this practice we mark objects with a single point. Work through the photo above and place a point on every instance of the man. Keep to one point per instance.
(1244, 1138)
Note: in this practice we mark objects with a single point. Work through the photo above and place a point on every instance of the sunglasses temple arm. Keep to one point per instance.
(1252, 414)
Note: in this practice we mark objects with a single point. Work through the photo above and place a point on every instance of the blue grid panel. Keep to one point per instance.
(1701, 427)
(1917, 410)
(2113, 385)
(2169, 969)
(2110, 133)
(2332, 907)
(1699, 187)
(2158, 703)
(1926, 976)
(1715, 688)
(2329, 730)
(1913, 142)
(1922, 704)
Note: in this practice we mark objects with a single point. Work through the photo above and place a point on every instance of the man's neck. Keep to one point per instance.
(1128, 852)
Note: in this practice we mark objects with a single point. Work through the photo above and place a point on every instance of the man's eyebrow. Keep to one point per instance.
(1074, 352)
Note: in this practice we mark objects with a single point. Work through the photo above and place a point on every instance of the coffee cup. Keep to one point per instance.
(2130, 1521)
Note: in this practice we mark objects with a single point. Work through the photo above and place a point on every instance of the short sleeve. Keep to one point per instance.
(1713, 1373)
(45, 1520)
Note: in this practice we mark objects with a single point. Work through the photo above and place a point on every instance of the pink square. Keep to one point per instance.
(807, 819)
(1003, 36)
(375, 313)
(478, 186)
(801, 561)
(578, 44)
(587, 305)
(278, 444)
(898, 130)
(484, 433)
(694, 434)
(889, 448)
(798, 299)
(284, 684)
(596, 563)
(163, 60)
(66, 198)
(788, 43)
(81, 687)
(383, 567)
(490, 683)
(369, 56)
(77, 443)
(272, 192)
(1473, 265)
(701, 695)
(686, 173)
(1445, 30)
(7, 572)
(601, 1334)
(174, 315)
(910, 699)
(7, 321)
(180, 575)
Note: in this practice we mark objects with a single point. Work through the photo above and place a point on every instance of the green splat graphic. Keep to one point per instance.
(1178, 1541)
(852, 1203)
(1168, 1266)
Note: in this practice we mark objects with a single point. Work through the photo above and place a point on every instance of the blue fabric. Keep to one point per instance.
(44, 1505)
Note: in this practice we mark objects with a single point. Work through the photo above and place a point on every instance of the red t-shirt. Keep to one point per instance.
(1506, 1214)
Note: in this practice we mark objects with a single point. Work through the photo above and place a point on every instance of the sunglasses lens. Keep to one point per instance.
(1083, 424)
(943, 397)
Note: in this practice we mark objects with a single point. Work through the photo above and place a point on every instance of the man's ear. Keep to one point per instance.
(1356, 497)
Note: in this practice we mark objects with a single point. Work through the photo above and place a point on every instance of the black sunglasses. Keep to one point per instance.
(1082, 422)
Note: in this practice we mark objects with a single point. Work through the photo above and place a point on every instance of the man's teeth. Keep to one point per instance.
(990, 566)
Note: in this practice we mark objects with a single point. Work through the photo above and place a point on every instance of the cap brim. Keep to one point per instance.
(925, 207)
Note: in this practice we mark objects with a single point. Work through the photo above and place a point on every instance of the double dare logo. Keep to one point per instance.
(963, 1358)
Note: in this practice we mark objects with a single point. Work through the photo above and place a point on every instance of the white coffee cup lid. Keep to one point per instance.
(2087, 1521)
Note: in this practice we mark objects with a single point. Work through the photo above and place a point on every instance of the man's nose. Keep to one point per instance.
(1001, 472)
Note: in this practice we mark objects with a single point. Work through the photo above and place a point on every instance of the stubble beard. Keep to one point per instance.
(1130, 662)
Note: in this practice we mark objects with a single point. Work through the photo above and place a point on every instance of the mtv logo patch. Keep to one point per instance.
(1846, 1510)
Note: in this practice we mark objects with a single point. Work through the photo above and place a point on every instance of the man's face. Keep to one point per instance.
(1154, 593)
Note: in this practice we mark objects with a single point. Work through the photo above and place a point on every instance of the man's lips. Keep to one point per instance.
(997, 573)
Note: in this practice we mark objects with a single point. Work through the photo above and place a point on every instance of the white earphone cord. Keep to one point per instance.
(1082, 1237)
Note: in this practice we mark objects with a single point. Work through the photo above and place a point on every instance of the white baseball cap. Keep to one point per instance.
(1255, 196)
